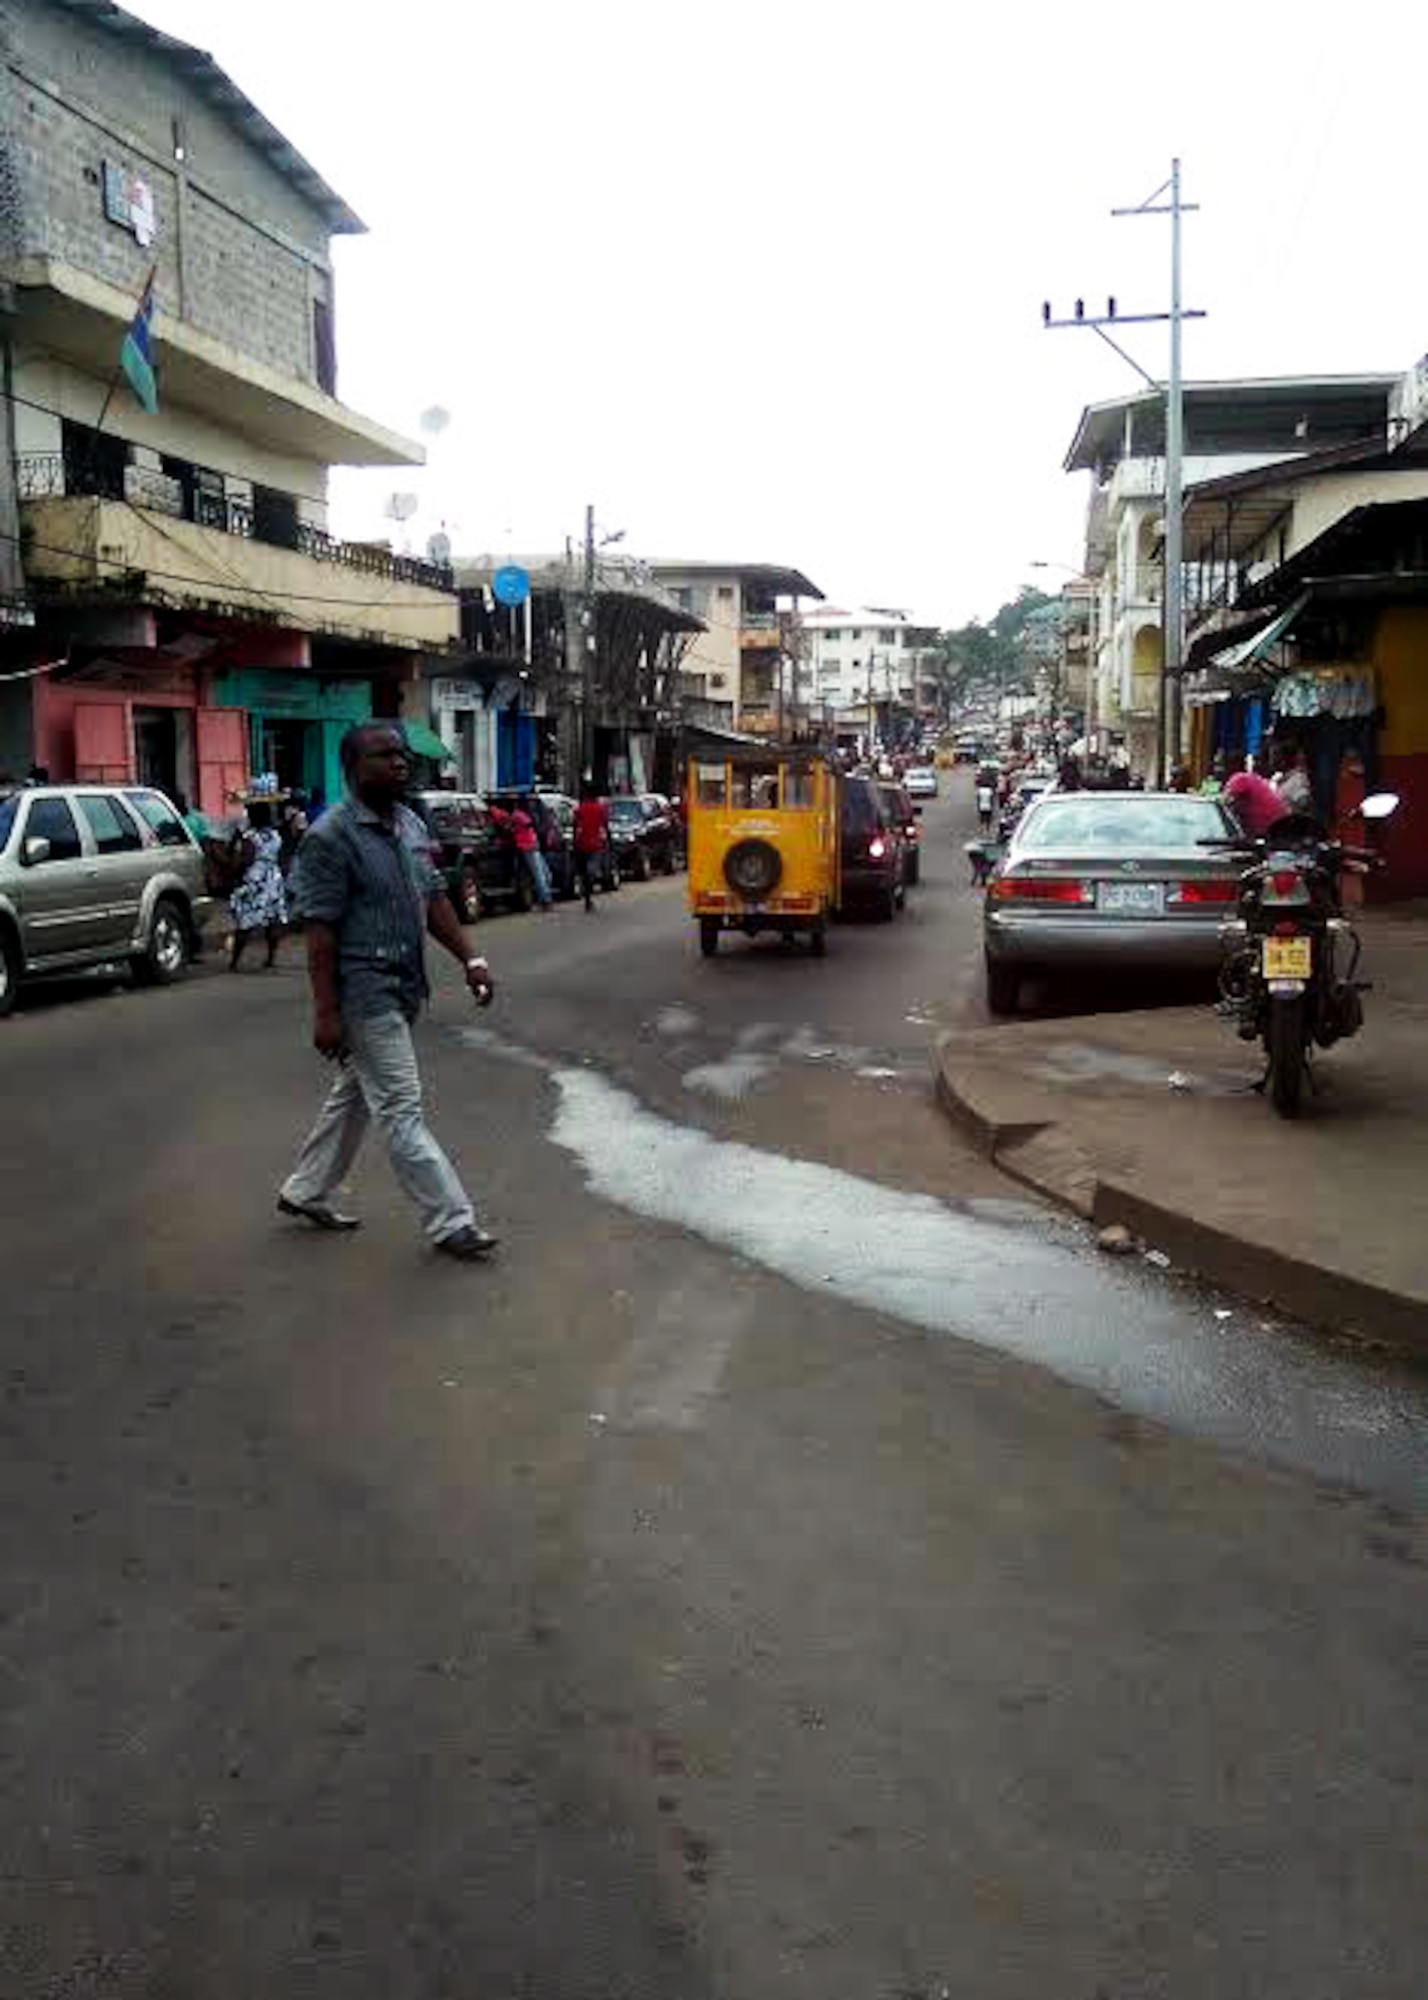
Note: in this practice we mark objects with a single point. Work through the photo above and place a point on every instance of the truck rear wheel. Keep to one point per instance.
(708, 935)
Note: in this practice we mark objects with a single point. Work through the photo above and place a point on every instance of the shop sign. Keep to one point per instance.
(129, 202)
(447, 695)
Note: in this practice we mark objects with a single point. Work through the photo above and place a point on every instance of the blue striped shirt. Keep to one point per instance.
(373, 881)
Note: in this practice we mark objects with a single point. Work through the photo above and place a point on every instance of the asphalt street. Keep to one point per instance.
(799, 1565)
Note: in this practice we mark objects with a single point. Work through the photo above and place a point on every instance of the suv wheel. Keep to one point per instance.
(643, 871)
(9, 971)
(165, 956)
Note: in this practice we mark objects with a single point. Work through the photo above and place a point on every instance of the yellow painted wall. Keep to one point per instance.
(1400, 657)
(187, 564)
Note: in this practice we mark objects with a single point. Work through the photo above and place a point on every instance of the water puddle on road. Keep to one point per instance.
(1004, 1275)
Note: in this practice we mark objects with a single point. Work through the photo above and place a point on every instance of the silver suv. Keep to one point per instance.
(90, 874)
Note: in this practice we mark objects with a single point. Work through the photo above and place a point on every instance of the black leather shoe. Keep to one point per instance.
(469, 1245)
(318, 1214)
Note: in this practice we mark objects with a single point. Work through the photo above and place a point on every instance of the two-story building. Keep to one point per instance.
(1230, 427)
(195, 620)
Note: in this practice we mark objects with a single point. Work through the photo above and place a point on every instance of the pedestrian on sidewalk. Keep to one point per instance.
(592, 837)
(259, 903)
(368, 892)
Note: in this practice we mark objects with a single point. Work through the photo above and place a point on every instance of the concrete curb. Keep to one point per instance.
(1039, 1155)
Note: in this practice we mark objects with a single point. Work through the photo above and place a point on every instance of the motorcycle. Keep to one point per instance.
(1291, 956)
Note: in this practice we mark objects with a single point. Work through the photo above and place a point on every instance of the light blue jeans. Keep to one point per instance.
(540, 874)
(378, 1082)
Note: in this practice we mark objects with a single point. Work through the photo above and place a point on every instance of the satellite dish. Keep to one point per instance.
(401, 506)
(438, 548)
(435, 420)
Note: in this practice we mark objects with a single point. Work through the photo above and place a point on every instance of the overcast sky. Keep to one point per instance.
(763, 280)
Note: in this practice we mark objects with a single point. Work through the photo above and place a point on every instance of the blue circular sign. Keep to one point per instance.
(512, 585)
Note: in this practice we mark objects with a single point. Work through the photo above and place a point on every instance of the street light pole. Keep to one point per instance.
(587, 658)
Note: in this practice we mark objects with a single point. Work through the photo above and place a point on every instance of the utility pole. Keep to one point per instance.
(587, 654)
(1167, 715)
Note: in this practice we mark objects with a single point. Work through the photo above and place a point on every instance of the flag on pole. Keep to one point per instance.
(136, 356)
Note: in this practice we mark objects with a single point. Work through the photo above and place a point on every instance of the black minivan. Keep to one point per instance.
(871, 851)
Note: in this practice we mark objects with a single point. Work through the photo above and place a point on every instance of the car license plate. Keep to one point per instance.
(1131, 899)
(1288, 958)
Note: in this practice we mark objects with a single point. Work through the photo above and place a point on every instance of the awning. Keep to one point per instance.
(424, 742)
(1258, 643)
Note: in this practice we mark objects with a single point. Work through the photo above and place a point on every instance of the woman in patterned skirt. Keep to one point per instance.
(260, 902)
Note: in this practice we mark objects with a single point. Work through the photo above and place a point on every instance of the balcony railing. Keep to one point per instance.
(50, 475)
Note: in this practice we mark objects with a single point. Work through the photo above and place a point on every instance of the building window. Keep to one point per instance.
(324, 347)
(275, 517)
(887, 638)
(94, 462)
(726, 593)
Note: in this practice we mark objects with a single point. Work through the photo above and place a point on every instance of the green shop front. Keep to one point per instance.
(296, 721)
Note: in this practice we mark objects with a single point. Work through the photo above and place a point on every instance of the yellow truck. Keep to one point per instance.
(763, 842)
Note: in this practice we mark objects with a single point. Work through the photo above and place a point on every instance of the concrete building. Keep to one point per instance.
(874, 671)
(747, 669)
(194, 617)
(1230, 427)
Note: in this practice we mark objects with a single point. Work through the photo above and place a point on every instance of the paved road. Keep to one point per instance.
(799, 1567)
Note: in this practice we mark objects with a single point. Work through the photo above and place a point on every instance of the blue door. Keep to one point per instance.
(515, 749)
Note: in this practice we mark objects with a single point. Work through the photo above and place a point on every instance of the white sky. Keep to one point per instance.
(762, 279)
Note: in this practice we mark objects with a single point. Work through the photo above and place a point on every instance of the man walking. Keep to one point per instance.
(592, 837)
(368, 893)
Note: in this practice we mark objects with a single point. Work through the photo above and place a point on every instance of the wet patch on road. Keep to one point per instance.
(1000, 1274)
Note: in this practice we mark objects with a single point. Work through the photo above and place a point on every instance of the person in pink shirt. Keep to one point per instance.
(1254, 801)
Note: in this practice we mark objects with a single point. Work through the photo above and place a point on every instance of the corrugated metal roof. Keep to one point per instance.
(210, 81)
(1258, 413)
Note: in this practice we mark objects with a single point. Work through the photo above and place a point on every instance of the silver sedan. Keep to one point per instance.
(1108, 881)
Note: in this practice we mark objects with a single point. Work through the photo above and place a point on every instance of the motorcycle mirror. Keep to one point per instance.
(1380, 805)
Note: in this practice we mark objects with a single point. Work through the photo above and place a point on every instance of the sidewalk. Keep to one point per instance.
(1326, 1217)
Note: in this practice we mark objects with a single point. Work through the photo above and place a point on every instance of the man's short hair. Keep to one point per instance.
(349, 750)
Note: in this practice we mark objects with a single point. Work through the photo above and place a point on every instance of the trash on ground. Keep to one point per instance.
(1116, 1240)
(1223, 1312)
(1178, 1080)
(1158, 1258)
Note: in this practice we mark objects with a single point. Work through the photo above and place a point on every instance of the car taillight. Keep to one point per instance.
(1286, 930)
(1037, 889)
(877, 849)
(1206, 892)
(1284, 881)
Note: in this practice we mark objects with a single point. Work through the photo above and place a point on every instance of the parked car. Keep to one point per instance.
(552, 815)
(644, 835)
(479, 863)
(91, 874)
(870, 851)
(921, 781)
(1108, 881)
(897, 802)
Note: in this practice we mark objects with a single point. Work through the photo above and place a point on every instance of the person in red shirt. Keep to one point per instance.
(520, 827)
(592, 835)
(1254, 801)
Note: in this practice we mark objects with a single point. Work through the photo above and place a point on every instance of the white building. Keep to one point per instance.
(870, 663)
(1230, 427)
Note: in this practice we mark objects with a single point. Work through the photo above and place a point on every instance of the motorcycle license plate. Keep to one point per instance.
(1288, 958)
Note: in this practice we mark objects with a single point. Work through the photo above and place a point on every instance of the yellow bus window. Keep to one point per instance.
(756, 787)
(709, 784)
(798, 785)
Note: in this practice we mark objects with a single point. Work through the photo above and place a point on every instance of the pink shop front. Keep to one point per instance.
(118, 721)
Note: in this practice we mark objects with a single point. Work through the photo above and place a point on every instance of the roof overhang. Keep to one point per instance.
(208, 81)
(1245, 652)
(1258, 413)
(773, 576)
(83, 321)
